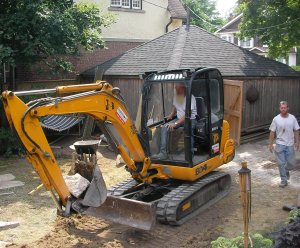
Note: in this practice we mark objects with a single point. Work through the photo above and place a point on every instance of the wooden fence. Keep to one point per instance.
(259, 114)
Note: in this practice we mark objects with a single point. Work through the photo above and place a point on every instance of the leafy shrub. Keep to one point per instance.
(258, 241)
(293, 214)
(289, 235)
(8, 143)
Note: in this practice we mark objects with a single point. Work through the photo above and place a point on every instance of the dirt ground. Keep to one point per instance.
(41, 227)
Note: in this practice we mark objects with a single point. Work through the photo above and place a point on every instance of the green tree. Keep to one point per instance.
(203, 13)
(36, 30)
(275, 22)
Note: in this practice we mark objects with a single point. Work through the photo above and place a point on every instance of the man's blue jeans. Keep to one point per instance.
(285, 156)
(164, 136)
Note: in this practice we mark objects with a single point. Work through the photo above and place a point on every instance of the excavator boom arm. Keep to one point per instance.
(101, 102)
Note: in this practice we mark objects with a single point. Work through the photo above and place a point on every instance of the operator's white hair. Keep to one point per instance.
(283, 103)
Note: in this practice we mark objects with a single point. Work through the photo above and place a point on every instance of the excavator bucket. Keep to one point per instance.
(97, 203)
(96, 194)
(125, 211)
(86, 165)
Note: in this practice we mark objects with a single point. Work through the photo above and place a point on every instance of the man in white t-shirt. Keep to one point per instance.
(286, 128)
(178, 108)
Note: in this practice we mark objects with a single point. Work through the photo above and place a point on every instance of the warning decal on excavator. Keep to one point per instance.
(215, 148)
(121, 115)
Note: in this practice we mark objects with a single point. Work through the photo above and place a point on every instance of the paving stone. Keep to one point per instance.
(4, 244)
(7, 181)
(7, 177)
(10, 184)
(8, 224)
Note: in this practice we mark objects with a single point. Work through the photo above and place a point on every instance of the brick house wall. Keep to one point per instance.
(40, 71)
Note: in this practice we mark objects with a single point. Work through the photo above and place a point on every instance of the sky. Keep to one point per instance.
(224, 6)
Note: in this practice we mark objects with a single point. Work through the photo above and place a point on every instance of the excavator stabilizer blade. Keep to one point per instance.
(125, 211)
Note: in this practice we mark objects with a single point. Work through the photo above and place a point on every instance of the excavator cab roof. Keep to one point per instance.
(177, 75)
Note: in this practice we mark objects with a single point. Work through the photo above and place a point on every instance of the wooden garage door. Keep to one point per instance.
(233, 104)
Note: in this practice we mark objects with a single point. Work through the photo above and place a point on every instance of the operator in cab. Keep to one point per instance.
(178, 109)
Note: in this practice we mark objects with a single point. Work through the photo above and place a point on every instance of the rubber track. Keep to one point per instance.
(121, 187)
(167, 206)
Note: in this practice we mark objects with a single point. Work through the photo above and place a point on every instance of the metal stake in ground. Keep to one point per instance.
(245, 188)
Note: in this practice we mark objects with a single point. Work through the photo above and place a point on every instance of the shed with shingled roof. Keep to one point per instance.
(260, 83)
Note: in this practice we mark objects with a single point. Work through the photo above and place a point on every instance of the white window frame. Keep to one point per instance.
(6, 71)
(124, 5)
(113, 4)
(139, 2)
(282, 60)
(228, 37)
(251, 42)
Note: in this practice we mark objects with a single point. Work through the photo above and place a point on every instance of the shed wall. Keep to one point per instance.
(259, 114)
(131, 89)
(255, 116)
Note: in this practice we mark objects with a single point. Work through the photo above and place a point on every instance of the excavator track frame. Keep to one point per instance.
(185, 200)
(194, 198)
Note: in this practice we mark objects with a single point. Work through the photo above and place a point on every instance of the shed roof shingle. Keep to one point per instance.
(199, 48)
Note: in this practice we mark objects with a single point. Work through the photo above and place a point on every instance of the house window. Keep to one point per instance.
(246, 42)
(127, 4)
(115, 3)
(228, 38)
(282, 60)
(136, 4)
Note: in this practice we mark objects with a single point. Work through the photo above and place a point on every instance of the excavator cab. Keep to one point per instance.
(199, 138)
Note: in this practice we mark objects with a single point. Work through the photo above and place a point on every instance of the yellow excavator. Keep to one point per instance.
(171, 190)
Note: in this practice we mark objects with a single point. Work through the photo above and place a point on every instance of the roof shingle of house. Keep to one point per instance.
(176, 9)
(193, 47)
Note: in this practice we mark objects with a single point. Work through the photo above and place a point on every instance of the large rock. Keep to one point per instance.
(77, 184)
